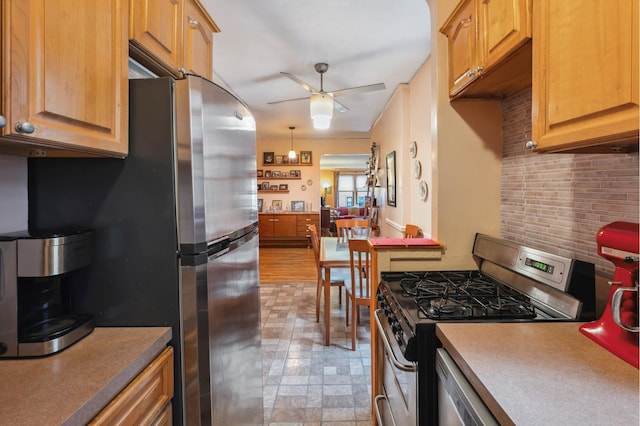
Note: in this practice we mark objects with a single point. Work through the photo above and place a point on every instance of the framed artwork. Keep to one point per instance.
(265, 185)
(297, 206)
(294, 160)
(276, 204)
(391, 179)
(283, 187)
(260, 203)
(305, 157)
(267, 173)
(268, 158)
(279, 159)
(276, 174)
(259, 173)
(273, 187)
(294, 173)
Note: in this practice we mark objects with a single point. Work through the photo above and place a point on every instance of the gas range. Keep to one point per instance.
(512, 283)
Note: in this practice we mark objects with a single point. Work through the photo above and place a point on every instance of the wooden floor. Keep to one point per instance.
(284, 265)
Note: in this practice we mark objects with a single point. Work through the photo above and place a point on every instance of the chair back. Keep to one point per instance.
(343, 226)
(412, 231)
(360, 260)
(315, 243)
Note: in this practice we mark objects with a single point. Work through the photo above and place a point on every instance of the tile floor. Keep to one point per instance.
(305, 382)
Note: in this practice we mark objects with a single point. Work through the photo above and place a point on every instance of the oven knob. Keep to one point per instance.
(3, 348)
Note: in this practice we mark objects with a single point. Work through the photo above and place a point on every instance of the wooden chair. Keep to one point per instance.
(347, 224)
(338, 281)
(359, 292)
(412, 231)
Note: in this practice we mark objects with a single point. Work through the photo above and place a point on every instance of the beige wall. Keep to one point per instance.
(318, 147)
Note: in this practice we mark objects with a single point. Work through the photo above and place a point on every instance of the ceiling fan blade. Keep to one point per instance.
(360, 89)
(287, 100)
(301, 83)
(339, 107)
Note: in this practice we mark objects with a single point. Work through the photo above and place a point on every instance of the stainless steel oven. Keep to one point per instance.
(512, 283)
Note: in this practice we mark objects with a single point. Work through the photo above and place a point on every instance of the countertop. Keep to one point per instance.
(543, 373)
(72, 386)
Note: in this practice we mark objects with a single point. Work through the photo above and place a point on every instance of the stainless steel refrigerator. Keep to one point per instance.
(176, 239)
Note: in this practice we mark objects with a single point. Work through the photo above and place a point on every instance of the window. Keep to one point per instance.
(351, 187)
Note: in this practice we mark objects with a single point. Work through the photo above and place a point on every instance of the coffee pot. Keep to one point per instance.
(617, 329)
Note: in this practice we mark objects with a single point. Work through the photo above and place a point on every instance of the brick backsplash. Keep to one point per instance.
(557, 202)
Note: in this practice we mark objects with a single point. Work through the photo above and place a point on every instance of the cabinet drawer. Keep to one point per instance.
(145, 400)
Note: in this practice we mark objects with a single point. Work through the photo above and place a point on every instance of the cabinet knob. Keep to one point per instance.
(477, 70)
(3, 121)
(25, 127)
(531, 145)
(193, 22)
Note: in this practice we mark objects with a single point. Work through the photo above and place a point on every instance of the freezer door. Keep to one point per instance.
(216, 163)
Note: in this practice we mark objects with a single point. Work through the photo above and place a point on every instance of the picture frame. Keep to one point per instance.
(267, 173)
(260, 204)
(279, 159)
(268, 158)
(265, 186)
(273, 188)
(285, 159)
(276, 174)
(294, 173)
(297, 206)
(259, 173)
(283, 187)
(295, 160)
(306, 157)
(391, 179)
(276, 204)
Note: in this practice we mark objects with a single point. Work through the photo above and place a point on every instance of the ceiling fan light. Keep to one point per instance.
(321, 106)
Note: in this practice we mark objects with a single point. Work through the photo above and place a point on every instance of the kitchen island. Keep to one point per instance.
(543, 373)
(73, 386)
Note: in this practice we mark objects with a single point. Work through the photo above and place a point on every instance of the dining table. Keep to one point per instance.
(334, 254)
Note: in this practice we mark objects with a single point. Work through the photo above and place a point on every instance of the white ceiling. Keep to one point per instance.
(363, 41)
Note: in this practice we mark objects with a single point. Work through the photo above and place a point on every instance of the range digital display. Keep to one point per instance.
(544, 267)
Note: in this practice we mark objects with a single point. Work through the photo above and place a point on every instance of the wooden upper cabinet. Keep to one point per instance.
(585, 75)
(198, 40)
(489, 49)
(65, 85)
(461, 30)
(167, 36)
(155, 31)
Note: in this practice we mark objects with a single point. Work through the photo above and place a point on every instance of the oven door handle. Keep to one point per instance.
(378, 412)
(379, 317)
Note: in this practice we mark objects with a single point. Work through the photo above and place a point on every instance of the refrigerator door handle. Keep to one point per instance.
(219, 247)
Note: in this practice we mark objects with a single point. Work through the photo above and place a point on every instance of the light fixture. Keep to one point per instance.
(292, 153)
(321, 106)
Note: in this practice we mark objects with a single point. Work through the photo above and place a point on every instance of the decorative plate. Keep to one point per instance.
(413, 149)
(303, 187)
(417, 169)
(309, 182)
(423, 190)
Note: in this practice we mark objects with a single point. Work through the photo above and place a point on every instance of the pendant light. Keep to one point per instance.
(292, 153)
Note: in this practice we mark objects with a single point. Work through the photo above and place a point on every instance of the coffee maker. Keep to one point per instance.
(617, 329)
(38, 271)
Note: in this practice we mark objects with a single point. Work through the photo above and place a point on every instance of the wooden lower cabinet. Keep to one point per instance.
(286, 229)
(146, 400)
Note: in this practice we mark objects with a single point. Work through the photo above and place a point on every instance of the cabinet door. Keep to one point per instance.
(460, 30)
(68, 85)
(198, 40)
(585, 73)
(156, 28)
(265, 223)
(284, 225)
(503, 26)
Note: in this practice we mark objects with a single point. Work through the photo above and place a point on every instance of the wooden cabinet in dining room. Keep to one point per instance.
(277, 225)
(64, 78)
(585, 76)
(287, 229)
(170, 35)
(489, 48)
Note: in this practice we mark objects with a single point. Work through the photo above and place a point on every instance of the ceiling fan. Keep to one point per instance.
(322, 103)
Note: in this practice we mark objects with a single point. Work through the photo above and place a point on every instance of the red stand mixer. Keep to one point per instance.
(617, 330)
